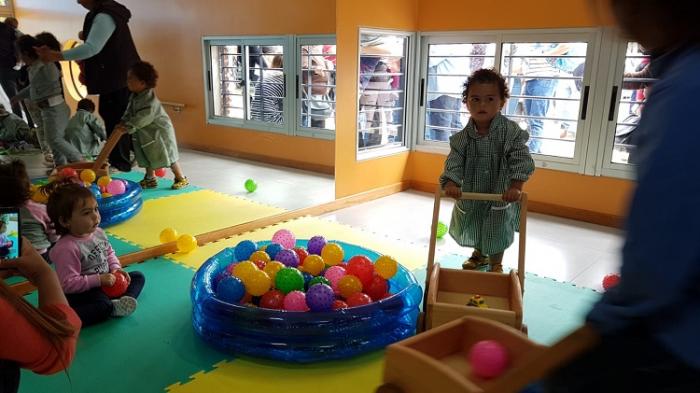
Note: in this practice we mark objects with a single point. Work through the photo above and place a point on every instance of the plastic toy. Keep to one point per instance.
(441, 230)
(285, 238)
(488, 359)
(610, 281)
(251, 185)
(186, 243)
(477, 301)
(118, 288)
(160, 172)
(168, 235)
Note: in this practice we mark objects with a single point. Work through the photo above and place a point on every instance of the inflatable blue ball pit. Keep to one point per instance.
(303, 337)
(119, 208)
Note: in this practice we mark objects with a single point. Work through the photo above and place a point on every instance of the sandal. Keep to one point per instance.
(496, 268)
(476, 261)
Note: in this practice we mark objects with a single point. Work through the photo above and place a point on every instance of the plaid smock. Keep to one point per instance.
(487, 164)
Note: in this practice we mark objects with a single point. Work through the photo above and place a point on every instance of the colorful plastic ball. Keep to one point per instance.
(94, 189)
(230, 267)
(186, 243)
(244, 250)
(68, 173)
(271, 268)
(441, 230)
(257, 283)
(289, 279)
(320, 297)
(260, 264)
(103, 181)
(247, 299)
(105, 194)
(386, 266)
(334, 274)
(160, 172)
(250, 185)
(358, 299)
(377, 288)
(488, 359)
(295, 301)
(220, 276)
(610, 281)
(313, 264)
(339, 304)
(260, 256)
(273, 299)
(288, 257)
(302, 254)
(230, 290)
(362, 267)
(285, 237)
(243, 270)
(315, 245)
(332, 254)
(116, 187)
(272, 249)
(118, 288)
(88, 175)
(349, 285)
(319, 280)
(168, 235)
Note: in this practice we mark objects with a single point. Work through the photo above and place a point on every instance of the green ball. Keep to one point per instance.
(251, 185)
(289, 279)
(319, 280)
(441, 230)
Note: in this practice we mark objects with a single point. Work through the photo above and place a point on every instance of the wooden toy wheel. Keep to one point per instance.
(388, 388)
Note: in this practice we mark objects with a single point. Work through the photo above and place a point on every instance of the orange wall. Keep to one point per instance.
(168, 33)
(352, 176)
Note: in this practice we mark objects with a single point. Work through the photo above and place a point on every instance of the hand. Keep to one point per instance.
(120, 128)
(107, 279)
(48, 55)
(512, 195)
(124, 272)
(30, 265)
(81, 35)
(452, 190)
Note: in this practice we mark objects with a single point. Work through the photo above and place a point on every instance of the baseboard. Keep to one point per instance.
(307, 166)
(610, 220)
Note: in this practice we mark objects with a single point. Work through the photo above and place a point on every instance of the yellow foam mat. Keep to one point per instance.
(360, 375)
(193, 213)
(410, 256)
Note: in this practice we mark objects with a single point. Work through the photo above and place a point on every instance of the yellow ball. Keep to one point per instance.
(257, 282)
(386, 267)
(349, 285)
(186, 243)
(332, 254)
(272, 268)
(260, 256)
(313, 264)
(88, 176)
(40, 197)
(168, 235)
(244, 269)
(103, 181)
(106, 195)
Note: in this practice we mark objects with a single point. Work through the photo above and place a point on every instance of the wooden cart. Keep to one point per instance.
(447, 291)
(100, 166)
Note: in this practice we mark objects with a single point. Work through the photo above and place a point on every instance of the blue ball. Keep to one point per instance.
(230, 290)
(307, 277)
(219, 277)
(272, 249)
(244, 250)
(95, 191)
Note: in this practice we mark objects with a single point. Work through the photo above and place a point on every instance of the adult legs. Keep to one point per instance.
(112, 108)
(537, 108)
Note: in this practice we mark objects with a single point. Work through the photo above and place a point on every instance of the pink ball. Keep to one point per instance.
(334, 274)
(285, 238)
(488, 359)
(295, 301)
(116, 187)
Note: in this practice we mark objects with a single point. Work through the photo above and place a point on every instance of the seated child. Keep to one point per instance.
(84, 131)
(14, 132)
(150, 127)
(85, 260)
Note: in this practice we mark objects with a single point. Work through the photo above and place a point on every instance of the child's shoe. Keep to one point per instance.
(124, 306)
(148, 182)
(496, 268)
(180, 183)
(476, 261)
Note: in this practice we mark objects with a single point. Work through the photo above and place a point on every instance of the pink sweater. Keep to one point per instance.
(80, 261)
(37, 227)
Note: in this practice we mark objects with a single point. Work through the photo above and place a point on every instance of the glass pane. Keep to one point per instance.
(266, 83)
(227, 80)
(546, 82)
(382, 88)
(449, 65)
(317, 86)
(637, 80)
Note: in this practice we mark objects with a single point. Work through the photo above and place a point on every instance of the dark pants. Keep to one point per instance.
(9, 376)
(450, 118)
(631, 361)
(8, 80)
(112, 108)
(94, 306)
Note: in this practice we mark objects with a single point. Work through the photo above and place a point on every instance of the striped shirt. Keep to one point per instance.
(267, 103)
(487, 164)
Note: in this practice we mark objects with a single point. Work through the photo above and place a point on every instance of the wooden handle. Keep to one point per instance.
(476, 196)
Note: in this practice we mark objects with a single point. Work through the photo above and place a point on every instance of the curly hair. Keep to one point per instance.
(14, 183)
(25, 46)
(48, 39)
(86, 104)
(63, 200)
(145, 72)
(485, 75)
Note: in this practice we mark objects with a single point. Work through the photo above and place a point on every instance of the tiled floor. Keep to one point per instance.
(562, 249)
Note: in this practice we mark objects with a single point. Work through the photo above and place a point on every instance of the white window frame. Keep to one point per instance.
(592, 36)
(409, 99)
(298, 128)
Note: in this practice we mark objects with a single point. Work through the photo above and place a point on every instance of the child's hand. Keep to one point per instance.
(125, 273)
(107, 279)
(512, 195)
(452, 190)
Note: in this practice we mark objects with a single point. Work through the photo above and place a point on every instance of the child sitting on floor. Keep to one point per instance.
(84, 131)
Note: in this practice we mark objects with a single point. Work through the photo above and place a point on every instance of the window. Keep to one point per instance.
(383, 67)
(316, 82)
(6, 9)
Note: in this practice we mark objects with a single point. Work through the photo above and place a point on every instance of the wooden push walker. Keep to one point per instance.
(100, 166)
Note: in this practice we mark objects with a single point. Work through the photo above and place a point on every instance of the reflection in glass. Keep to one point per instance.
(317, 86)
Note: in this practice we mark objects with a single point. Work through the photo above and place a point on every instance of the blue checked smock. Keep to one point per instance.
(487, 164)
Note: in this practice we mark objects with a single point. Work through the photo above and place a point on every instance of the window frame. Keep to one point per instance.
(300, 130)
(409, 99)
(8, 10)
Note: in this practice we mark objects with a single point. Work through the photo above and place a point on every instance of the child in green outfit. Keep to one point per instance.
(84, 131)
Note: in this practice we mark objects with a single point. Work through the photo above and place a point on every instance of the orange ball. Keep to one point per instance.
(272, 268)
(332, 254)
(313, 264)
(260, 256)
(349, 285)
(243, 270)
